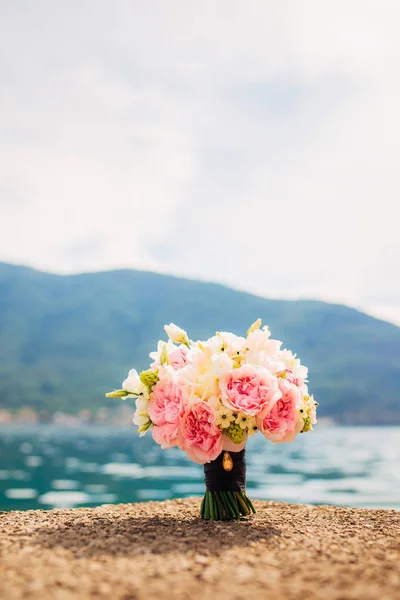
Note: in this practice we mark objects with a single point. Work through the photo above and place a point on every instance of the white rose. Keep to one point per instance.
(142, 422)
(262, 359)
(139, 420)
(141, 417)
(201, 357)
(176, 334)
(226, 342)
(142, 402)
(293, 364)
(261, 340)
(161, 346)
(133, 385)
(221, 364)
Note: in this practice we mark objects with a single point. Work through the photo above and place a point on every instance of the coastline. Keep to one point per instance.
(163, 550)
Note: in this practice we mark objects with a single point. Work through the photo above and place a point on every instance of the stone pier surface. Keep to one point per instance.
(163, 550)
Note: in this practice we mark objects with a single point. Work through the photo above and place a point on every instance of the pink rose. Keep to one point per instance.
(164, 406)
(281, 424)
(177, 358)
(198, 435)
(289, 376)
(251, 390)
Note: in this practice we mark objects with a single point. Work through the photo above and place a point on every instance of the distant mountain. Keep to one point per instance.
(66, 340)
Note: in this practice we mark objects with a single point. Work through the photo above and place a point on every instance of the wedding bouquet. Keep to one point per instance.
(207, 397)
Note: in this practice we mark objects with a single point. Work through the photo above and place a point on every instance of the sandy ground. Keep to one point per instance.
(163, 550)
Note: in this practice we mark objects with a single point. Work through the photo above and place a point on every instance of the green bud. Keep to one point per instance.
(164, 359)
(144, 427)
(149, 378)
(256, 325)
(235, 433)
(117, 394)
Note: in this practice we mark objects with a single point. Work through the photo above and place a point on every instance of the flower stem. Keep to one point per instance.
(249, 503)
(221, 509)
(211, 501)
(243, 508)
(232, 502)
(225, 505)
(227, 479)
(202, 507)
(206, 506)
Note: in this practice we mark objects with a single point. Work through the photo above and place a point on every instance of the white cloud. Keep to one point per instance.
(253, 143)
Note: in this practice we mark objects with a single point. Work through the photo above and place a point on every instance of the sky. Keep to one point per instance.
(254, 143)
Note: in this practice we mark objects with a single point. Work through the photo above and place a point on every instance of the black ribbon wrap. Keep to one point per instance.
(219, 480)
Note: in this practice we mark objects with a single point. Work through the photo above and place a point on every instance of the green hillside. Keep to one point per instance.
(66, 340)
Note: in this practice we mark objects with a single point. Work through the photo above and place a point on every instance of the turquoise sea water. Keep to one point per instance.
(46, 466)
